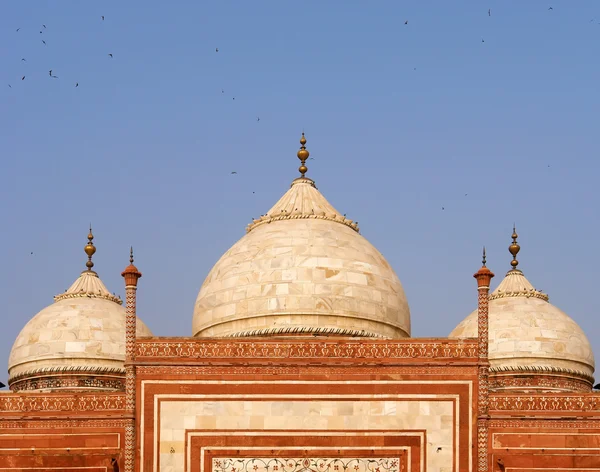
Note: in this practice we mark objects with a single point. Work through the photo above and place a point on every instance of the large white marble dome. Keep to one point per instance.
(302, 268)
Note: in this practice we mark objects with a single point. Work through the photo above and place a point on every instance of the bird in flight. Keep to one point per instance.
(550, 8)
(443, 208)
(9, 86)
(23, 78)
(234, 172)
(110, 55)
(44, 26)
(18, 29)
(43, 41)
(23, 59)
(406, 22)
(217, 50)
(482, 40)
(50, 72)
(102, 17)
(489, 12)
(54, 76)
(76, 84)
(258, 118)
(234, 98)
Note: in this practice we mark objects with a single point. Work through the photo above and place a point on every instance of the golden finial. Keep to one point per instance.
(514, 248)
(90, 249)
(483, 256)
(131, 254)
(303, 155)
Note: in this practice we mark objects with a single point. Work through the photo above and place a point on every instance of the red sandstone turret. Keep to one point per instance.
(483, 276)
(131, 274)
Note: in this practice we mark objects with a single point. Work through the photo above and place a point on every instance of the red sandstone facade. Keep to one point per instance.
(83, 432)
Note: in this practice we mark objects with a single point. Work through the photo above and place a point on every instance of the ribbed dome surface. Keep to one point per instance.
(302, 268)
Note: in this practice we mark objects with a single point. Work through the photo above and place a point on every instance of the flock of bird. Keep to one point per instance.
(52, 76)
(110, 55)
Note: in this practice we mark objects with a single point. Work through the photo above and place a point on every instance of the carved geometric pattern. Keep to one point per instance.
(130, 388)
(77, 402)
(482, 322)
(482, 379)
(130, 335)
(130, 322)
(546, 424)
(517, 380)
(64, 423)
(267, 349)
(72, 380)
(194, 370)
(555, 402)
(130, 447)
(306, 464)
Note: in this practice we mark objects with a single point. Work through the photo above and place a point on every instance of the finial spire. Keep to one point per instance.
(514, 249)
(303, 155)
(90, 249)
(483, 256)
(131, 254)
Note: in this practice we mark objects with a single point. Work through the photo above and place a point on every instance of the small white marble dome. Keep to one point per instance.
(527, 332)
(82, 331)
(302, 269)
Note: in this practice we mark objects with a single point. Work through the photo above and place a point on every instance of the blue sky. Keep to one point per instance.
(494, 118)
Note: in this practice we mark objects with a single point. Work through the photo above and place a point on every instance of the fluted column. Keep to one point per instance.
(483, 276)
(131, 275)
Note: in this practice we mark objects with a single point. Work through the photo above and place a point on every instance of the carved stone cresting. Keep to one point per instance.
(304, 330)
(173, 348)
(306, 464)
(302, 201)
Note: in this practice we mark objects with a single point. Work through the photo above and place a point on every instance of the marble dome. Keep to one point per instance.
(528, 333)
(81, 334)
(302, 269)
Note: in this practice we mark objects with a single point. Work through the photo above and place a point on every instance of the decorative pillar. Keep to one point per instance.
(131, 275)
(483, 276)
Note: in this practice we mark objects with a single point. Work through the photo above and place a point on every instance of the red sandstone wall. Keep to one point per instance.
(77, 432)
(537, 433)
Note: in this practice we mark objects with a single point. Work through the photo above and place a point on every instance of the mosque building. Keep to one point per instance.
(300, 359)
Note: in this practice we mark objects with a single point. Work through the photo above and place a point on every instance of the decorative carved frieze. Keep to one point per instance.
(306, 464)
(51, 403)
(572, 403)
(151, 349)
(194, 370)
